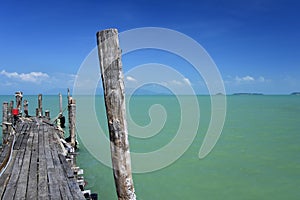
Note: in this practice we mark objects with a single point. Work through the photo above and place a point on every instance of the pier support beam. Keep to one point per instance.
(72, 119)
(10, 107)
(19, 96)
(60, 103)
(25, 106)
(40, 106)
(5, 122)
(113, 85)
(61, 118)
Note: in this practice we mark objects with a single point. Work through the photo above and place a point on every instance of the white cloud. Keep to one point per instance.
(250, 79)
(34, 77)
(130, 78)
(37, 81)
(182, 83)
(244, 79)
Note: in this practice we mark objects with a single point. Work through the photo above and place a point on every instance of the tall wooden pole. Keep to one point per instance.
(72, 119)
(19, 96)
(113, 85)
(40, 105)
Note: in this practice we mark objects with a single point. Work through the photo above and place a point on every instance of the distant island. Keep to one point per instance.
(247, 94)
(296, 93)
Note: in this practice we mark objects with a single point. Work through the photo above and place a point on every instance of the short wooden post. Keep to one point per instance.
(113, 85)
(40, 106)
(72, 119)
(25, 106)
(47, 114)
(19, 96)
(10, 107)
(37, 112)
(4, 122)
(69, 96)
(60, 102)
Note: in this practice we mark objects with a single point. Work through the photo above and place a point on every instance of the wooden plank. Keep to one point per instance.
(24, 128)
(6, 175)
(4, 154)
(11, 186)
(75, 190)
(24, 141)
(23, 178)
(63, 186)
(32, 192)
(53, 184)
(69, 184)
(19, 127)
(48, 155)
(42, 167)
(3, 182)
(54, 146)
(18, 141)
(27, 130)
(56, 151)
(53, 175)
(66, 166)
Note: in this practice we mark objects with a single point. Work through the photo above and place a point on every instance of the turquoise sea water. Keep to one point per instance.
(256, 157)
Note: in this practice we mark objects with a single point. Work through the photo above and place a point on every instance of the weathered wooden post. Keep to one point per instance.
(10, 107)
(25, 106)
(113, 85)
(69, 96)
(40, 106)
(47, 114)
(19, 96)
(72, 119)
(60, 103)
(4, 122)
(61, 119)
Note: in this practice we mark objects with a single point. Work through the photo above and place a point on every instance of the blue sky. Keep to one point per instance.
(255, 44)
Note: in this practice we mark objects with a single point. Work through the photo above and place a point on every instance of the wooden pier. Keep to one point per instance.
(35, 160)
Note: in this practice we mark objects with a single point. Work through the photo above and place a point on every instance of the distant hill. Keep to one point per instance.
(247, 94)
(148, 91)
(296, 93)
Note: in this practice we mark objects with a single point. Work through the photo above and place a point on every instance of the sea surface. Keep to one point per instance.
(256, 157)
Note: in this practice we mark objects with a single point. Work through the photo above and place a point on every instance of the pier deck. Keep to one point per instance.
(34, 164)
